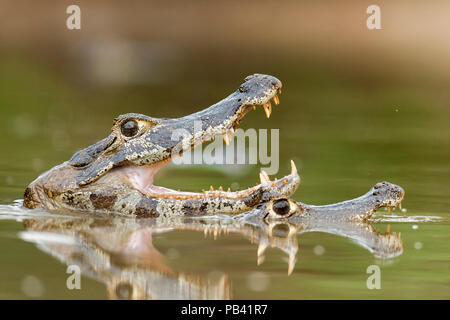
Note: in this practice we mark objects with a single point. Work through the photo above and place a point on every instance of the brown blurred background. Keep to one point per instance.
(414, 39)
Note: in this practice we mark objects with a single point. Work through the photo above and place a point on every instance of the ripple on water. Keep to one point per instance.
(407, 219)
(17, 212)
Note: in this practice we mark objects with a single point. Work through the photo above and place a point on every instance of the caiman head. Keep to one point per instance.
(139, 145)
(283, 218)
(146, 143)
(284, 209)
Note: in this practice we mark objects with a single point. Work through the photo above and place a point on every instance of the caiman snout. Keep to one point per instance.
(258, 87)
(388, 194)
(283, 208)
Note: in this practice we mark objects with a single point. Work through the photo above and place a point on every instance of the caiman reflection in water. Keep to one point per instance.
(119, 251)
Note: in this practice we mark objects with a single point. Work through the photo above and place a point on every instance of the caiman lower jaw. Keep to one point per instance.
(141, 179)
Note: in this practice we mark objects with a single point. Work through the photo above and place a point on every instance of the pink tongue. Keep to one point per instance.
(141, 177)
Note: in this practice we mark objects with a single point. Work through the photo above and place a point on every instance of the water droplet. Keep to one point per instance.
(32, 287)
(415, 226)
(418, 245)
(37, 164)
(23, 126)
(235, 186)
(9, 180)
(404, 210)
(319, 250)
(258, 281)
(172, 253)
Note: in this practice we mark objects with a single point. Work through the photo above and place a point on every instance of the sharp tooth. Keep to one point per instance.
(279, 90)
(276, 100)
(260, 259)
(267, 109)
(293, 167)
(220, 188)
(389, 209)
(264, 177)
(229, 190)
(232, 130)
(291, 264)
(211, 188)
(226, 138)
(400, 206)
(388, 228)
(261, 248)
(254, 107)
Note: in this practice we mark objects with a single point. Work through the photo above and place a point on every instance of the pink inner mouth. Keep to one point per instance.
(141, 178)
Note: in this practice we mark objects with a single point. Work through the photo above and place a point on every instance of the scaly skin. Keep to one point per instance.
(115, 175)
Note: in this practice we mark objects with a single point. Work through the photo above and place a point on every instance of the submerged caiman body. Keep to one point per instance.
(115, 175)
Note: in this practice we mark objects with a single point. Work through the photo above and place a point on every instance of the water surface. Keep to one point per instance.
(344, 133)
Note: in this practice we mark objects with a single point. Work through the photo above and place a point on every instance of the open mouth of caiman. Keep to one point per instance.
(139, 146)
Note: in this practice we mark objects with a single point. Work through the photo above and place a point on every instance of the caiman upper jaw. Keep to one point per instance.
(222, 118)
(259, 89)
(282, 208)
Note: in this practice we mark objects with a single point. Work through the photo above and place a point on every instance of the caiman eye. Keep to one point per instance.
(281, 207)
(129, 128)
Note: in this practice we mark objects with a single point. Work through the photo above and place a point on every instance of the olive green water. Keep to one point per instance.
(345, 131)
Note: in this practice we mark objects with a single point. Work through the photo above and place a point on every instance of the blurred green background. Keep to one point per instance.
(358, 106)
